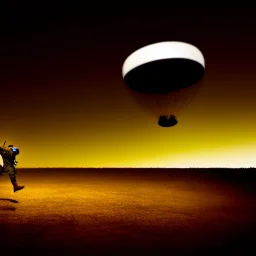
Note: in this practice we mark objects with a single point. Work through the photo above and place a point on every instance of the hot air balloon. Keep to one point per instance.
(164, 77)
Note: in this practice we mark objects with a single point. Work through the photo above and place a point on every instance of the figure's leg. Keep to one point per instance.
(11, 170)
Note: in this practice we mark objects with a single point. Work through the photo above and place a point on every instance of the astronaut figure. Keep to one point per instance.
(9, 162)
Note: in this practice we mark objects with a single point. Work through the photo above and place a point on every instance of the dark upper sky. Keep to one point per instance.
(64, 102)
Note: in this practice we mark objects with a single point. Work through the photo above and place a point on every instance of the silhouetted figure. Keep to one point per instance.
(9, 162)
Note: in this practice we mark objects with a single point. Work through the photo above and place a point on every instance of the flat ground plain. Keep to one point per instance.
(129, 212)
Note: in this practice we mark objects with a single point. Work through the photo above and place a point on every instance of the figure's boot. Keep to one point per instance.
(16, 187)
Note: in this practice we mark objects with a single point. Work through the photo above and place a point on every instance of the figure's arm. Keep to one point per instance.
(1, 163)
(1, 159)
(6, 153)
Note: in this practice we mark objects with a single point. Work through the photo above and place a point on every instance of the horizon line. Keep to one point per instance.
(136, 167)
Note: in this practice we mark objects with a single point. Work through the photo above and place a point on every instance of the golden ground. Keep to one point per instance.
(77, 213)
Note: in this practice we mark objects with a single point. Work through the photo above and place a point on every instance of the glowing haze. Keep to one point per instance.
(65, 104)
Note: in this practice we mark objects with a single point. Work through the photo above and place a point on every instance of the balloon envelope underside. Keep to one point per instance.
(164, 76)
(165, 87)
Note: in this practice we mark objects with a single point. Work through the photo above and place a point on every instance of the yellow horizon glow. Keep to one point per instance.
(228, 157)
(212, 132)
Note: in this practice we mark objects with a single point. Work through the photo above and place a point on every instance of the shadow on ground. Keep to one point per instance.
(9, 200)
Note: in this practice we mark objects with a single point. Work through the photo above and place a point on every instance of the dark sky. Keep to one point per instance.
(64, 102)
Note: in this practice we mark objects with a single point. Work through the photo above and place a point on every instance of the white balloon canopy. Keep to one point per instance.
(160, 51)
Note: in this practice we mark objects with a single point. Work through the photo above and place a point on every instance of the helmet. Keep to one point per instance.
(15, 151)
